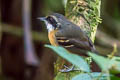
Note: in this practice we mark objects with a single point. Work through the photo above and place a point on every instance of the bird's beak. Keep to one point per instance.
(42, 18)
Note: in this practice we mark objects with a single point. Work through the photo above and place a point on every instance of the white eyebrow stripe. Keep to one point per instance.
(55, 18)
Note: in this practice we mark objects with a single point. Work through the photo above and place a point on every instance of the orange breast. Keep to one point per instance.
(52, 38)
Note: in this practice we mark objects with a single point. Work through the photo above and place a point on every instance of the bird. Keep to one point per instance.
(62, 32)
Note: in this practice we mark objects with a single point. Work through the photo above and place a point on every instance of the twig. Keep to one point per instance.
(113, 52)
(106, 39)
(30, 57)
(18, 31)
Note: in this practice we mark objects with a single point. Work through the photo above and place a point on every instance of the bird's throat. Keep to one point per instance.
(49, 26)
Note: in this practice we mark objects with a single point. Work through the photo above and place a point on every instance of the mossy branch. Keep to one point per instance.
(85, 14)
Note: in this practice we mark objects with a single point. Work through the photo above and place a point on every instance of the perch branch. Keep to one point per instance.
(18, 31)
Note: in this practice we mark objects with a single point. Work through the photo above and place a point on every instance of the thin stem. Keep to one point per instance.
(30, 57)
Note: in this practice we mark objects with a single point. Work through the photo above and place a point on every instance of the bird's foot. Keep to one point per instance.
(69, 69)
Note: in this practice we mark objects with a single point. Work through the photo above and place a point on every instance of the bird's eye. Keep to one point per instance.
(52, 21)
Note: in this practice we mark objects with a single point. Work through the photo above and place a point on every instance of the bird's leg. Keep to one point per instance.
(69, 69)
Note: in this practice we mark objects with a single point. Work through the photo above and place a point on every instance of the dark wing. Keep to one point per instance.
(76, 44)
(71, 36)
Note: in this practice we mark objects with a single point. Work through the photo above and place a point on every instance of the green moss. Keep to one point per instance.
(90, 11)
(85, 14)
(66, 76)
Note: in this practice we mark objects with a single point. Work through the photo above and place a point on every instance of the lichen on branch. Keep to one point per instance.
(84, 13)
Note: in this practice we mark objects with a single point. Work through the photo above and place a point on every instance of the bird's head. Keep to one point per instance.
(52, 21)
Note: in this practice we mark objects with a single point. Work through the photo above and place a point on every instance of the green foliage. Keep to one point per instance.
(101, 61)
(89, 10)
(106, 64)
(113, 65)
(91, 76)
(73, 58)
(66, 76)
(115, 78)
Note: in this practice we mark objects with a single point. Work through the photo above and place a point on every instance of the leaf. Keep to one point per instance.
(91, 76)
(115, 65)
(107, 64)
(100, 60)
(66, 76)
(73, 58)
(115, 78)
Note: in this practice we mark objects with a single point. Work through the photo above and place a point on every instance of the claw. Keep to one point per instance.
(67, 69)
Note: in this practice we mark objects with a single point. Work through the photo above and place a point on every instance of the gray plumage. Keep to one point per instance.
(70, 35)
(74, 34)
